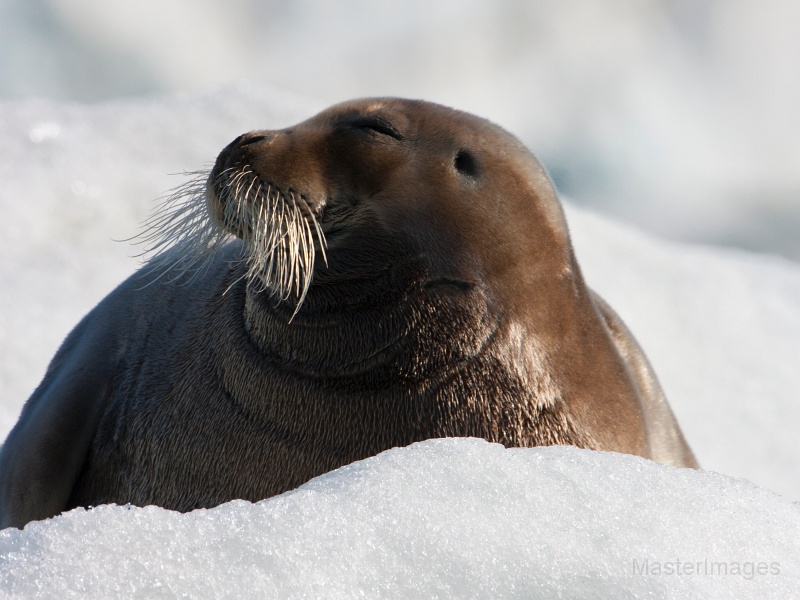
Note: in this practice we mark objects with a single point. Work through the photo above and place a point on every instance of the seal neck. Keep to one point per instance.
(323, 339)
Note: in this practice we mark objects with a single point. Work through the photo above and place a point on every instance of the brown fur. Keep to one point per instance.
(451, 304)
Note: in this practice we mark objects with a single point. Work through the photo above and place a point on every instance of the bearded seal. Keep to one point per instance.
(385, 272)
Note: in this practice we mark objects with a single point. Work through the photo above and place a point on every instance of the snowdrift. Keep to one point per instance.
(456, 518)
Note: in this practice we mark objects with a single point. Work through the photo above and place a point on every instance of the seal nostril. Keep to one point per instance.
(252, 140)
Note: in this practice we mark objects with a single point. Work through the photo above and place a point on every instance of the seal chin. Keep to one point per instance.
(449, 284)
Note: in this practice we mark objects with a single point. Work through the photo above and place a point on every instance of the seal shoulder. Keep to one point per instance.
(44, 452)
(667, 444)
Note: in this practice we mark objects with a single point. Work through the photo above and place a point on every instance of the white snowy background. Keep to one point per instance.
(679, 116)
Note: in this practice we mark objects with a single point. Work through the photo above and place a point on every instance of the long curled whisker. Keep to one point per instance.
(179, 238)
(280, 232)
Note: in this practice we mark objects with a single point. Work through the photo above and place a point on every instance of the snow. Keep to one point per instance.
(443, 518)
(440, 519)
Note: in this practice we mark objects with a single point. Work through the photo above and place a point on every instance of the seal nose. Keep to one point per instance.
(222, 157)
(246, 139)
(227, 149)
(250, 138)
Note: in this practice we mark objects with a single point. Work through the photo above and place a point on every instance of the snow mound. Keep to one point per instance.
(439, 519)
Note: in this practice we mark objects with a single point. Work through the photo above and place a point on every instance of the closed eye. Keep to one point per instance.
(377, 125)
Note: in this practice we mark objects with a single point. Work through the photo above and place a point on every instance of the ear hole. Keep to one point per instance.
(465, 164)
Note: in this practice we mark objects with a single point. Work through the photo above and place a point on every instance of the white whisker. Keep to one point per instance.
(278, 230)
